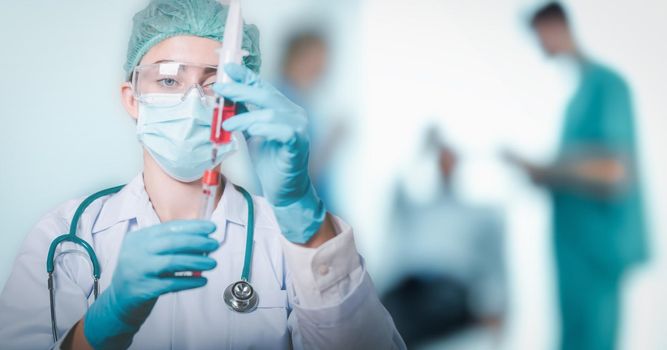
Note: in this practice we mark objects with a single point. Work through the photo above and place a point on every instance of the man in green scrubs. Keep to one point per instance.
(597, 213)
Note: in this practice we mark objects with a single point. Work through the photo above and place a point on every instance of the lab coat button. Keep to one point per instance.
(323, 270)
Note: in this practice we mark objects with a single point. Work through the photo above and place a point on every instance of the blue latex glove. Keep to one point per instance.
(146, 263)
(282, 160)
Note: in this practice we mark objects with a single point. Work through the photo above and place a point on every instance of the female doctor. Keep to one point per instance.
(314, 292)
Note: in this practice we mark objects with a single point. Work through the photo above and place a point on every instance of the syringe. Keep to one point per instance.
(230, 52)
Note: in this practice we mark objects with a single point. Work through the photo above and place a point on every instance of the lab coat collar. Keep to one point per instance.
(123, 206)
(232, 206)
(132, 202)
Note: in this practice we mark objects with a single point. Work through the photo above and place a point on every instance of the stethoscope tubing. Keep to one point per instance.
(72, 237)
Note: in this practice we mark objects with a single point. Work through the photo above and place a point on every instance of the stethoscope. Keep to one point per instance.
(239, 296)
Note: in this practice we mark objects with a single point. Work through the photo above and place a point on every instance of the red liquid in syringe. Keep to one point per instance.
(218, 134)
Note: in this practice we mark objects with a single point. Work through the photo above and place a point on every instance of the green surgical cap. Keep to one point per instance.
(163, 19)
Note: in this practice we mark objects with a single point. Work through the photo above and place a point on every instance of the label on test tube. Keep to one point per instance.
(218, 134)
(187, 274)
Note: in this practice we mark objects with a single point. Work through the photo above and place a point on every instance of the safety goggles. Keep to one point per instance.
(167, 84)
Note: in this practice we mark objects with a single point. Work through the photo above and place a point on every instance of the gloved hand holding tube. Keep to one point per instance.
(147, 261)
(282, 160)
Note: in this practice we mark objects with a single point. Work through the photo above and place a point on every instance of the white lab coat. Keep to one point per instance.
(308, 298)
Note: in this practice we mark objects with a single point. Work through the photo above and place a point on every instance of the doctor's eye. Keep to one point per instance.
(208, 88)
(168, 82)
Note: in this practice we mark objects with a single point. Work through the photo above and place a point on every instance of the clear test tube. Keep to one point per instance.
(210, 182)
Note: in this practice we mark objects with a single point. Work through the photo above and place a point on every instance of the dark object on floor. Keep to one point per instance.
(428, 307)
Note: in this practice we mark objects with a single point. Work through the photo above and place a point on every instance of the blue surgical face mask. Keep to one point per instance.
(177, 137)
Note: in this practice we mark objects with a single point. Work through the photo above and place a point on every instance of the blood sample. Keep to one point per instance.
(218, 134)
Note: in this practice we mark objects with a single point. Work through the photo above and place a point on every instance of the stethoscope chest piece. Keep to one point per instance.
(240, 297)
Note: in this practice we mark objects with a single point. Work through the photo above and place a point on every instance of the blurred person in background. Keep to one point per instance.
(597, 215)
(450, 273)
(304, 65)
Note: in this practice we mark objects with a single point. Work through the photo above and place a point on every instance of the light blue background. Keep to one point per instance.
(64, 133)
